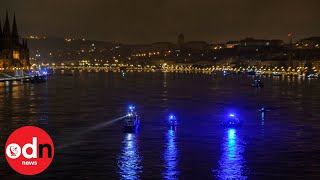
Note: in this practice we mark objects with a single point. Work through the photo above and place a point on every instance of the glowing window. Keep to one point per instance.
(16, 54)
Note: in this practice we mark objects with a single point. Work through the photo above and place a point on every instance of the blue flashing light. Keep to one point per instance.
(231, 115)
(172, 118)
(131, 107)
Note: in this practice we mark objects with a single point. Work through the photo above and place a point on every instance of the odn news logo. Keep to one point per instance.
(29, 150)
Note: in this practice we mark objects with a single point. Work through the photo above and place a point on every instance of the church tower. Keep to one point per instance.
(15, 35)
(13, 54)
(6, 33)
(6, 52)
(15, 44)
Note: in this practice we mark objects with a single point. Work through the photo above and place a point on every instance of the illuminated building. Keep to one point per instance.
(13, 53)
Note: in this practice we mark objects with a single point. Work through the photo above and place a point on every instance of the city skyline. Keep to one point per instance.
(145, 22)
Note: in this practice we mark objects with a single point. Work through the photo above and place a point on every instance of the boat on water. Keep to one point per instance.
(132, 120)
(257, 83)
(172, 120)
(231, 121)
(264, 110)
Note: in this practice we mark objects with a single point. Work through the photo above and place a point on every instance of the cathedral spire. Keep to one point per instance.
(6, 34)
(15, 35)
(6, 28)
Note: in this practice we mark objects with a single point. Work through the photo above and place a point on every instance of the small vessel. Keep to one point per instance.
(257, 83)
(231, 121)
(172, 120)
(225, 73)
(131, 121)
(264, 109)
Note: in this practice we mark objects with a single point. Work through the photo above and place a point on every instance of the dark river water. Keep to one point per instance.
(82, 114)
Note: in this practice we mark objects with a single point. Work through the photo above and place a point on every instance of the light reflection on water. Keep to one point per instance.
(232, 163)
(129, 160)
(171, 155)
(262, 123)
(44, 110)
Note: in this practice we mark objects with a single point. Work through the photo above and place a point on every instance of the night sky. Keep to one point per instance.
(146, 21)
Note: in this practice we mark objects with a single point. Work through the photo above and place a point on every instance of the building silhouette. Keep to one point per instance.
(13, 53)
(180, 41)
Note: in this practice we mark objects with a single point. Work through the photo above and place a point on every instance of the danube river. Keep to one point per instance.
(82, 114)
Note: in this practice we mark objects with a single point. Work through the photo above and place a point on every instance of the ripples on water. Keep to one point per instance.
(170, 155)
(80, 113)
(129, 160)
(232, 163)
